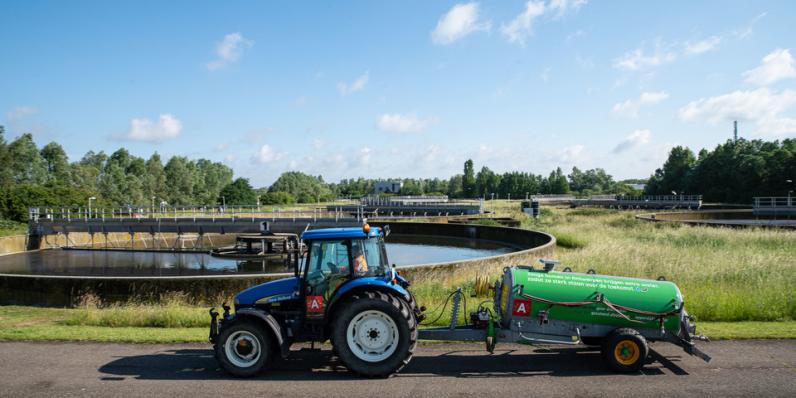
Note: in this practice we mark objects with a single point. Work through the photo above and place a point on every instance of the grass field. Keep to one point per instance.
(738, 283)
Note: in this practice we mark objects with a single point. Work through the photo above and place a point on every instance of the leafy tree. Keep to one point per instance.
(673, 177)
(6, 177)
(468, 180)
(455, 186)
(25, 161)
(179, 181)
(239, 192)
(305, 188)
(57, 163)
(277, 198)
(212, 177)
(154, 181)
(558, 182)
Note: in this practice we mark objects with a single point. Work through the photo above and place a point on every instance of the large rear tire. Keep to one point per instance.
(243, 348)
(375, 334)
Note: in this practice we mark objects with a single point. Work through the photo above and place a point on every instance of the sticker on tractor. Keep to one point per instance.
(521, 307)
(315, 304)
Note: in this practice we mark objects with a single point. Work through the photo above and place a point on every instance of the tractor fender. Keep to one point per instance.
(269, 320)
(366, 284)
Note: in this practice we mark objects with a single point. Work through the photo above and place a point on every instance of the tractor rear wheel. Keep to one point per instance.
(243, 348)
(375, 334)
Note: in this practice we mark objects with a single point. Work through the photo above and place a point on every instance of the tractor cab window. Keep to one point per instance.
(328, 266)
(368, 258)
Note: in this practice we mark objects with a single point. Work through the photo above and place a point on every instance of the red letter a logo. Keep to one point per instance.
(521, 307)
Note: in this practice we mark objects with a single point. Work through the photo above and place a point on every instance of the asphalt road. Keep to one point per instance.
(739, 368)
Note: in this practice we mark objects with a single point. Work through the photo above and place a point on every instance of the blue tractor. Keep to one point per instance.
(343, 290)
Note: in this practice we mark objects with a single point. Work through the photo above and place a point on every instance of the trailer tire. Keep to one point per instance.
(375, 334)
(625, 350)
(244, 348)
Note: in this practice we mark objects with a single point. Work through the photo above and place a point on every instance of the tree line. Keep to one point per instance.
(30, 176)
(733, 172)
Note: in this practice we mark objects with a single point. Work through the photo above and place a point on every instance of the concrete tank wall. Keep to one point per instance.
(13, 244)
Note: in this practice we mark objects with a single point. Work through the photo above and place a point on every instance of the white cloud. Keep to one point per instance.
(266, 154)
(748, 29)
(229, 50)
(221, 147)
(521, 27)
(357, 85)
(631, 107)
(398, 123)
(571, 154)
(167, 127)
(702, 46)
(20, 112)
(638, 59)
(775, 66)
(742, 105)
(761, 106)
(633, 140)
(562, 7)
(364, 156)
(460, 21)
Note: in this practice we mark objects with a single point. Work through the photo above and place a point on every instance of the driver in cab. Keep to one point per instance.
(360, 263)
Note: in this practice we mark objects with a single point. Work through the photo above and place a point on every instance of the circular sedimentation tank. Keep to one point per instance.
(63, 277)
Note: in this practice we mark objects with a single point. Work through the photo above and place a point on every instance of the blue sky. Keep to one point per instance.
(389, 89)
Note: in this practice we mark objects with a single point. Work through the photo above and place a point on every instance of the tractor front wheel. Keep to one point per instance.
(243, 348)
(375, 334)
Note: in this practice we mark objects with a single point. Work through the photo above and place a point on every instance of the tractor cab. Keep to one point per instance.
(336, 256)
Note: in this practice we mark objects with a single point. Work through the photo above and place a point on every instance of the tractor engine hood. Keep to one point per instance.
(269, 292)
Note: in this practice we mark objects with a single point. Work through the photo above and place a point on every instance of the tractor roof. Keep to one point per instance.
(340, 233)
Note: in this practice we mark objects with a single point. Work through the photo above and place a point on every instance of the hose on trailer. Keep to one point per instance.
(601, 299)
(445, 306)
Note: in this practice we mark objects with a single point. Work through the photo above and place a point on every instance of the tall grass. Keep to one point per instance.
(172, 312)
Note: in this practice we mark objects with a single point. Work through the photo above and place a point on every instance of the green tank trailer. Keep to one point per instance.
(541, 305)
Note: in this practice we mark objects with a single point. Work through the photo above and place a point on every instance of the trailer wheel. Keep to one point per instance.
(243, 349)
(375, 334)
(625, 350)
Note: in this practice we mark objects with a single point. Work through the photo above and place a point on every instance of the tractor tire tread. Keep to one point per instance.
(403, 309)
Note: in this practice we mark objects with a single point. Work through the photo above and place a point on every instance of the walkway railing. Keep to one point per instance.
(774, 201)
(66, 213)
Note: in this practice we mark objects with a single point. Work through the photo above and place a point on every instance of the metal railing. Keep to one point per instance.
(404, 200)
(662, 198)
(76, 213)
(774, 202)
